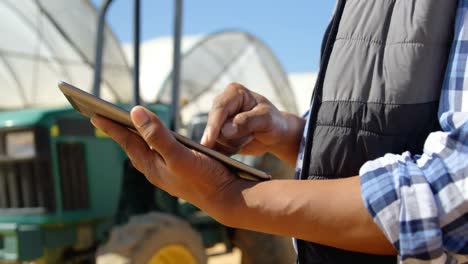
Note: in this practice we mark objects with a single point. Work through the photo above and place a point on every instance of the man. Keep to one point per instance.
(382, 68)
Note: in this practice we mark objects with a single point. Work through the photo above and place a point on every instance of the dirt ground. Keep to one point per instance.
(231, 258)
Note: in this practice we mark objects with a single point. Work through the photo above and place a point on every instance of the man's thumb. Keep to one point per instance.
(156, 135)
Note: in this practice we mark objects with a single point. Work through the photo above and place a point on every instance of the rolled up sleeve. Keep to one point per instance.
(420, 202)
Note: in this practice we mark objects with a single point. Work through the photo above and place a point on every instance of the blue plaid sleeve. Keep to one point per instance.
(420, 202)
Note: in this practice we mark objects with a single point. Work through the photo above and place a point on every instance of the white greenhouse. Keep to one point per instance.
(53, 40)
(209, 64)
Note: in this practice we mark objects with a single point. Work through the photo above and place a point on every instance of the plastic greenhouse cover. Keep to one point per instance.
(51, 40)
(45, 41)
(225, 57)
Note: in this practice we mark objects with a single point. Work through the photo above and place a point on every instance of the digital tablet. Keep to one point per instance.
(90, 105)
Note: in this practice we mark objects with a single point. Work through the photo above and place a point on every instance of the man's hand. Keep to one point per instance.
(166, 163)
(285, 207)
(247, 121)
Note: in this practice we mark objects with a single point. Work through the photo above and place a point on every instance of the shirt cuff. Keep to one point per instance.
(380, 194)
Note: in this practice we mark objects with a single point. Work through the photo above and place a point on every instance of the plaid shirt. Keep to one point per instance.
(420, 202)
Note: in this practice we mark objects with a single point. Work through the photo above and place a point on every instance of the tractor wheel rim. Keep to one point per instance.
(173, 254)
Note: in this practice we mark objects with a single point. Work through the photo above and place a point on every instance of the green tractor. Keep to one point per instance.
(68, 193)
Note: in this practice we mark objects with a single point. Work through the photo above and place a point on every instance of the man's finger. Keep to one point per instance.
(135, 147)
(233, 100)
(240, 131)
(247, 123)
(158, 137)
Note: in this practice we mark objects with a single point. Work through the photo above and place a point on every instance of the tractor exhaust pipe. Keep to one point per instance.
(176, 65)
(99, 46)
(136, 52)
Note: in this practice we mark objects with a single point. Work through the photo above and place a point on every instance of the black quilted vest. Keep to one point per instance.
(377, 92)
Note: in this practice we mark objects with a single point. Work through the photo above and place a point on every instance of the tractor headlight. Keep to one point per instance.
(20, 144)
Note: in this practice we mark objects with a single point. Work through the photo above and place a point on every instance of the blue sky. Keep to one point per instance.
(293, 29)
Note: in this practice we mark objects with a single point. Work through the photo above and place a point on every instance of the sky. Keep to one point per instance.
(292, 29)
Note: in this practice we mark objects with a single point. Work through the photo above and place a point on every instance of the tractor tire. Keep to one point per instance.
(261, 248)
(153, 238)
